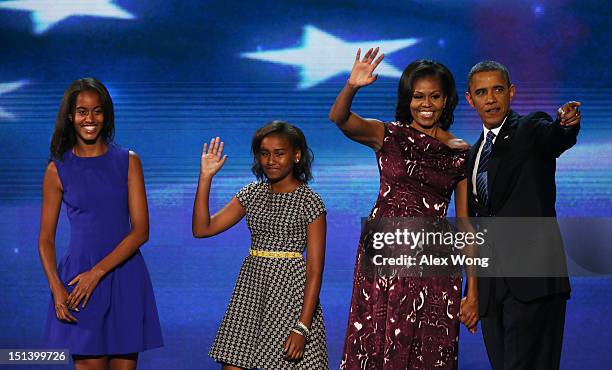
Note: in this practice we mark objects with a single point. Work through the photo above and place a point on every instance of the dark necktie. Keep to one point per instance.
(483, 169)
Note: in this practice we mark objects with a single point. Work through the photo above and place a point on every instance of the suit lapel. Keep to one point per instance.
(502, 145)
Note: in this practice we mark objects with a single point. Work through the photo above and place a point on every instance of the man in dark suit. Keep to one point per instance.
(511, 173)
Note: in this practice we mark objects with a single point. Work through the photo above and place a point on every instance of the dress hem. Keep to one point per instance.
(122, 352)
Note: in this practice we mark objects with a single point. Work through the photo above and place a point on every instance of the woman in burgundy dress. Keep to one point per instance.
(404, 322)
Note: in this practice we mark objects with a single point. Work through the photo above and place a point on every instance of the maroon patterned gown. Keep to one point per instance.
(407, 322)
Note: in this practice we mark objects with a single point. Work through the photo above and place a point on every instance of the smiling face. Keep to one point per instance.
(490, 94)
(88, 117)
(427, 103)
(277, 157)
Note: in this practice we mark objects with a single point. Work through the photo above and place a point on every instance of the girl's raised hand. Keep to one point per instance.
(361, 74)
(212, 158)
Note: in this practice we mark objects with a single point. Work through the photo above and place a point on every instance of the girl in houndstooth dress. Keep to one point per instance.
(274, 319)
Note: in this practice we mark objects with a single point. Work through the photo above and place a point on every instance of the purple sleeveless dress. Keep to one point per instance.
(398, 323)
(121, 314)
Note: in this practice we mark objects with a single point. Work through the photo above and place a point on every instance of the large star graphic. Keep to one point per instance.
(6, 88)
(46, 13)
(322, 55)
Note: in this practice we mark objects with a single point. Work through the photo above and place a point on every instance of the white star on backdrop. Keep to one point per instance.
(46, 13)
(322, 55)
(6, 88)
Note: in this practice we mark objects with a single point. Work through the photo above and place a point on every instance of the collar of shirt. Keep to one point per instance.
(495, 130)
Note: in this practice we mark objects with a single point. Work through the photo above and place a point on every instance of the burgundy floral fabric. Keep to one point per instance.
(407, 322)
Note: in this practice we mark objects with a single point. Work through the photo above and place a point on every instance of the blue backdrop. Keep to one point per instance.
(182, 72)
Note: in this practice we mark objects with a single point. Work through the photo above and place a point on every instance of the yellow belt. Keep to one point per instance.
(274, 254)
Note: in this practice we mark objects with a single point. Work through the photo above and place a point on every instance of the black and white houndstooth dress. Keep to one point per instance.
(269, 293)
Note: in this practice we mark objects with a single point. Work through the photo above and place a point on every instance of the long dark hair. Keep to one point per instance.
(64, 135)
(423, 68)
(301, 170)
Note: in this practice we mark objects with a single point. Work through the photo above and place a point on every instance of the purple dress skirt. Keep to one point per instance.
(407, 322)
(121, 314)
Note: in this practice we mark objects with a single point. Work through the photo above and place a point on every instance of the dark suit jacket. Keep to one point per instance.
(521, 183)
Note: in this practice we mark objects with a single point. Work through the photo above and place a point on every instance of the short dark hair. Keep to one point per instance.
(424, 68)
(64, 135)
(488, 66)
(301, 170)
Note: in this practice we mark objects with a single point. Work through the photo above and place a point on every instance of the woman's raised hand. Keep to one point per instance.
(361, 74)
(212, 158)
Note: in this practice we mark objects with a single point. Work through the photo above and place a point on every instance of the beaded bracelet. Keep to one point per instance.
(301, 329)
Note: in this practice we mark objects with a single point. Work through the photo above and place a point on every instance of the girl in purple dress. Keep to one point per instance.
(102, 307)
(400, 322)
